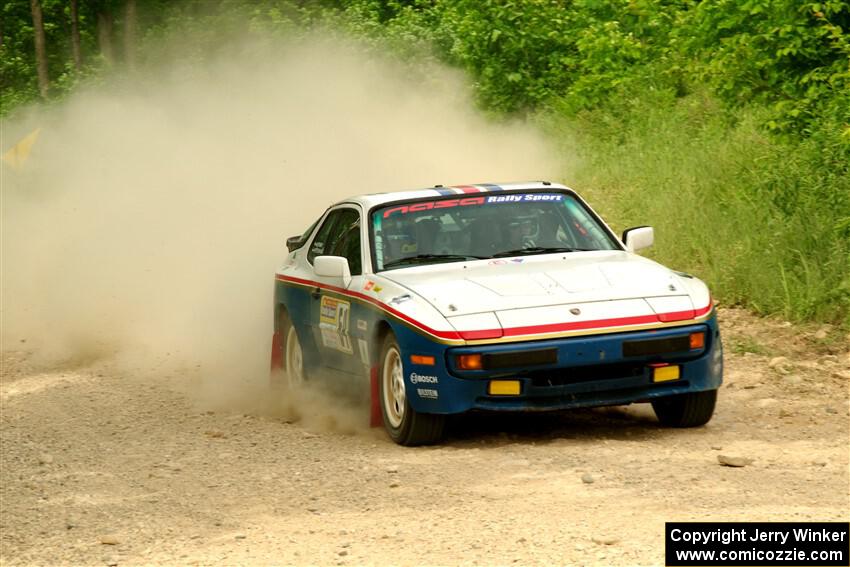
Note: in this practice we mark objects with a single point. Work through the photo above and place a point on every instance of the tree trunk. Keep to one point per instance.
(104, 34)
(75, 36)
(40, 48)
(130, 34)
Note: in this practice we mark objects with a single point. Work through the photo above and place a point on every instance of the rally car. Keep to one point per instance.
(510, 297)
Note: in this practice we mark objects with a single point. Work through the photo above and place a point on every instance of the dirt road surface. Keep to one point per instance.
(102, 467)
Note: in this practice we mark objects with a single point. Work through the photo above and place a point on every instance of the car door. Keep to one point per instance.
(331, 308)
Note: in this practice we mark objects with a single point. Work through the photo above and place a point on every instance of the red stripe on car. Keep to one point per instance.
(480, 334)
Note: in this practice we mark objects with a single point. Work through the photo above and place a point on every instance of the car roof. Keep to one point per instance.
(377, 199)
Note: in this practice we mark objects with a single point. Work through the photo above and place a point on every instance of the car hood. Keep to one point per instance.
(513, 291)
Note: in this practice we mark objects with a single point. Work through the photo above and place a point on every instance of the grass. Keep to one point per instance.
(745, 344)
(765, 222)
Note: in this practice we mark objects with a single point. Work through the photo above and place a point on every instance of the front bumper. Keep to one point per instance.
(588, 371)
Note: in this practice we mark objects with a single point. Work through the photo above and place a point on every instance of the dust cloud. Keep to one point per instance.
(148, 222)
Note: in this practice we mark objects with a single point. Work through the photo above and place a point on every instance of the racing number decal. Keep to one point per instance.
(333, 322)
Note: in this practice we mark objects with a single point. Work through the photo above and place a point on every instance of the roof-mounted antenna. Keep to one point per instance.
(546, 182)
(437, 186)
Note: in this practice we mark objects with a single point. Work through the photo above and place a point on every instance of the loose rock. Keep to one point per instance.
(730, 461)
(605, 540)
(110, 539)
(587, 478)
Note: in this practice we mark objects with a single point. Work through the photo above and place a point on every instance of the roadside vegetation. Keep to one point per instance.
(724, 124)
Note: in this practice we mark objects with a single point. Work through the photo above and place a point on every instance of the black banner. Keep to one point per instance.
(762, 544)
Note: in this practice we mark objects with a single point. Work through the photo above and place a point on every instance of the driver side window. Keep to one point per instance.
(339, 235)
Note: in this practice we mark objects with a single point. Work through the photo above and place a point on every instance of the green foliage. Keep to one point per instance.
(18, 84)
(788, 53)
(763, 219)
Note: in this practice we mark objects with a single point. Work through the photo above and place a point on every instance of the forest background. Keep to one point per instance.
(724, 123)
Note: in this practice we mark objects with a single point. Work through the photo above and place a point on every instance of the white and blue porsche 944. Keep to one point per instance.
(492, 297)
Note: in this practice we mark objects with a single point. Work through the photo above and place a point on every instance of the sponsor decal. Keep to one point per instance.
(428, 393)
(505, 262)
(450, 203)
(428, 205)
(525, 198)
(363, 346)
(421, 379)
(334, 312)
(372, 286)
(409, 248)
(333, 323)
(332, 338)
(362, 325)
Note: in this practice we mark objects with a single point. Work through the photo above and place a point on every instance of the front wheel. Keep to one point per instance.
(405, 425)
(686, 410)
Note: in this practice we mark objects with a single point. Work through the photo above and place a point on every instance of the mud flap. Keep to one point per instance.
(376, 418)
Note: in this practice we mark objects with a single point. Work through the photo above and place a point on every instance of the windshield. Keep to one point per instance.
(483, 226)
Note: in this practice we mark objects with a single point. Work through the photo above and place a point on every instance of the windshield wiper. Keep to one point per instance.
(538, 250)
(425, 257)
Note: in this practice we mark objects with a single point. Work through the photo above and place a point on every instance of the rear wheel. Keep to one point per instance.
(293, 356)
(686, 410)
(405, 425)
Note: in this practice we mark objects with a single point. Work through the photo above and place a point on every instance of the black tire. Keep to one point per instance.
(686, 410)
(404, 425)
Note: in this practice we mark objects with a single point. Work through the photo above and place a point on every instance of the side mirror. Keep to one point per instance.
(332, 267)
(638, 238)
(295, 242)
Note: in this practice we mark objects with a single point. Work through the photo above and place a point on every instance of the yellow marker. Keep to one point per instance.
(504, 388)
(20, 152)
(665, 373)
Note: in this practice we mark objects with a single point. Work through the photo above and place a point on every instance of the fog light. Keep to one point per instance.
(504, 388)
(469, 362)
(422, 359)
(665, 373)
(697, 340)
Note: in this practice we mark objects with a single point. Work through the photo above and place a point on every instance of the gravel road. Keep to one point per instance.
(101, 466)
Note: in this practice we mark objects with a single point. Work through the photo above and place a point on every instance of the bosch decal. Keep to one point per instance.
(420, 379)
